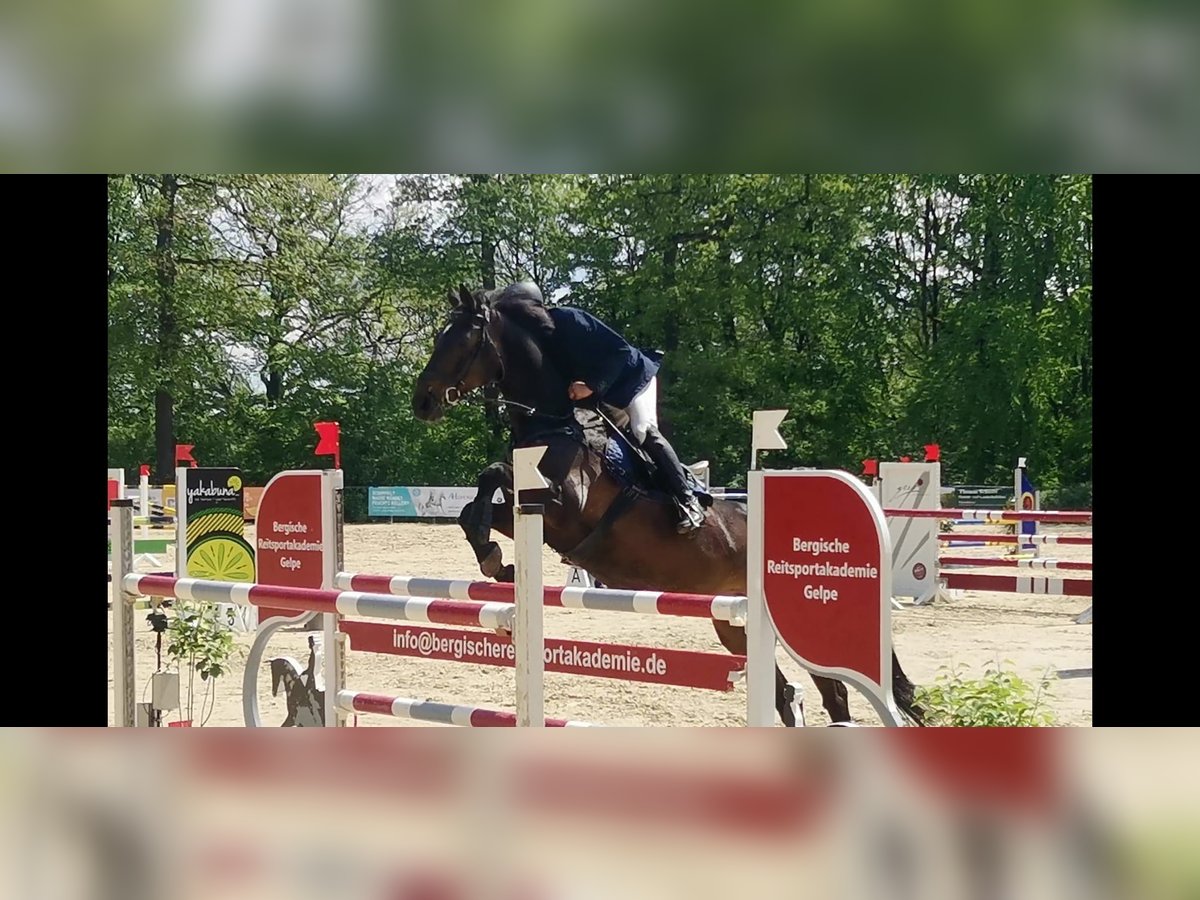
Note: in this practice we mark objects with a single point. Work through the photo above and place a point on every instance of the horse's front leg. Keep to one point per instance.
(481, 515)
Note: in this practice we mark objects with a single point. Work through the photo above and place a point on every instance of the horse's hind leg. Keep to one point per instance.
(904, 692)
(834, 697)
(481, 515)
(733, 639)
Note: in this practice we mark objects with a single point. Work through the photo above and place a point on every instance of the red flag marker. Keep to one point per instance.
(933, 453)
(330, 442)
(870, 467)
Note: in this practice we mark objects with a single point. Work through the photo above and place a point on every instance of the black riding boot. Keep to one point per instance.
(691, 514)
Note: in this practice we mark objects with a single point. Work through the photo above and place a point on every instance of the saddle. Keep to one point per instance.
(622, 460)
(619, 458)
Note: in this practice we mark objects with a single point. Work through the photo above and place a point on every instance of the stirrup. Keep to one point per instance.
(691, 516)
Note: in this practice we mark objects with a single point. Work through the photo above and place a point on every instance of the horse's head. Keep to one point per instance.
(464, 357)
(285, 673)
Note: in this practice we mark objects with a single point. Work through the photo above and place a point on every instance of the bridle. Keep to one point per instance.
(455, 393)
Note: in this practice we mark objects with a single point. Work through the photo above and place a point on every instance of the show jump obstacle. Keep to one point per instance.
(910, 493)
(819, 578)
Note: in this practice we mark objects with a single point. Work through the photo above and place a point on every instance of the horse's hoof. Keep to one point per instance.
(508, 574)
(794, 695)
(493, 562)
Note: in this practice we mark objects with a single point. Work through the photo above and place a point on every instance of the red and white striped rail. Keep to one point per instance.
(1070, 517)
(442, 713)
(1035, 563)
(350, 603)
(1016, 538)
(972, 581)
(661, 603)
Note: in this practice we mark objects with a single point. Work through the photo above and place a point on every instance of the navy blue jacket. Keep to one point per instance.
(585, 349)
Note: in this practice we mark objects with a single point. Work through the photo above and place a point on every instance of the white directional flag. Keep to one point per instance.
(526, 476)
(765, 433)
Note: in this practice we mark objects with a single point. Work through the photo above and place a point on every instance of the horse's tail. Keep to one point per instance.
(904, 693)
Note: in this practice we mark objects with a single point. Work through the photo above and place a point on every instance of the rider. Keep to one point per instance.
(600, 363)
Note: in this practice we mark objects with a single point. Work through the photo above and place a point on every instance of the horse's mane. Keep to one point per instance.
(532, 323)
(532, 317)
(528, 328)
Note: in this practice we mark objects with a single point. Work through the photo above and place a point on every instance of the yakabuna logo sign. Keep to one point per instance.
(212, 489)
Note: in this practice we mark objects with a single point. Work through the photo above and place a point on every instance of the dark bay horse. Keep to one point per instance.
(625, 537)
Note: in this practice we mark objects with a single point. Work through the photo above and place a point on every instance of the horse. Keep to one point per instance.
(621, 533)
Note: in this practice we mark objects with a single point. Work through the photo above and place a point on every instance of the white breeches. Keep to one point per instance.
(643, 410)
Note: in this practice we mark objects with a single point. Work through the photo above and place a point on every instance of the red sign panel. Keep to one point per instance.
(825, 573)
(289, 539)
(655, 665)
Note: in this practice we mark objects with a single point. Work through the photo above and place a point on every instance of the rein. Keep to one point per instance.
(454, 393)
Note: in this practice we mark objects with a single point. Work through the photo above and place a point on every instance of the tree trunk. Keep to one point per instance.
(273, 373)
(168, 332)
(670, 331)
(725, 287)
(929, 308)
(487, 275)
(487, 260)
(487, 238)
(164, 437)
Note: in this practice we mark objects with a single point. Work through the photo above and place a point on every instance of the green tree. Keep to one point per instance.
(885, 312)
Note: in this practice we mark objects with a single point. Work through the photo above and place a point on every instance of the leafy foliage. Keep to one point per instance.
(999, 699)
(200, 643)
(885, 312)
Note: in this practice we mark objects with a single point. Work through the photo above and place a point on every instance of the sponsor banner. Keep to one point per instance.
(980, 496)
(655, 665)
(289, 535)
(418, 502)
(211, 529)
(825, 574)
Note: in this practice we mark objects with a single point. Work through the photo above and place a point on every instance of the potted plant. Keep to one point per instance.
(202, 643)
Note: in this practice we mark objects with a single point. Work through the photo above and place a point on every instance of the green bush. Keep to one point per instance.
(355, 499)
(998, 700)
(1068, 496)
